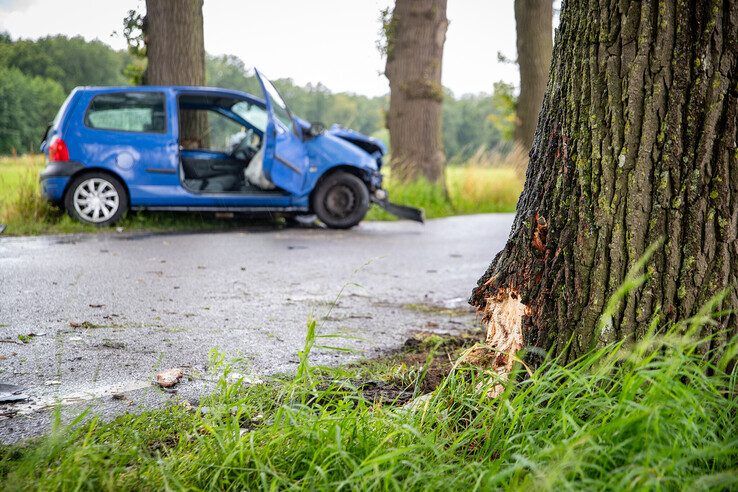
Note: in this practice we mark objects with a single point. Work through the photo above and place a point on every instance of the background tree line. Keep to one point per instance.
(37, 75)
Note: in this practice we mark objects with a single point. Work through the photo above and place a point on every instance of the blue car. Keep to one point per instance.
(114, 149)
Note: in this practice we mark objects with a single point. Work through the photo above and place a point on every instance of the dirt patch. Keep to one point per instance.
(417, 368)
(439, 310)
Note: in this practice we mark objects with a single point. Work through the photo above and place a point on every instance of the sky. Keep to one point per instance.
(328, 41)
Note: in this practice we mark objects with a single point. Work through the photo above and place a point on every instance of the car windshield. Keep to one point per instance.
(280, 108)
(252, 113)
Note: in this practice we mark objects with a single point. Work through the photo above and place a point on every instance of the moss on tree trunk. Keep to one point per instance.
(636, 143)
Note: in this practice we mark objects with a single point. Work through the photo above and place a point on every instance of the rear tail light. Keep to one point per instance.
(58, 151)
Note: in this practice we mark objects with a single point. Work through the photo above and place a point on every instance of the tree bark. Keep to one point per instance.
(175, 44)
(533, 20)
(415, 37)
(636, 143)
(175, 49)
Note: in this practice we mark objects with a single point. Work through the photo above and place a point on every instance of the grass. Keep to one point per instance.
(25, 212)
(486, 184)
(653, 415)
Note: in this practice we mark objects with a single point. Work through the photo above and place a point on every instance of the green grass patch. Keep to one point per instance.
(471, 189)
(476, 188)
(653, 415)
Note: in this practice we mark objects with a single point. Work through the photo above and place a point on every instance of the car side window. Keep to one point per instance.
(128, 112)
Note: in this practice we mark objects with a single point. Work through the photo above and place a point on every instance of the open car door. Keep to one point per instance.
(285, 158)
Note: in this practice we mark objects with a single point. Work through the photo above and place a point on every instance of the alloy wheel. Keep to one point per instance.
(96, 200)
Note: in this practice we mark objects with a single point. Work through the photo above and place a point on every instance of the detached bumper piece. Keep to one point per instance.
(401, 211)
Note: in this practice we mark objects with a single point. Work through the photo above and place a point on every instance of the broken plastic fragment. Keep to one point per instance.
(170, 377)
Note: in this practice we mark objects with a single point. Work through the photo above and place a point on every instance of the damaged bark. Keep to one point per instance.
(635, 143)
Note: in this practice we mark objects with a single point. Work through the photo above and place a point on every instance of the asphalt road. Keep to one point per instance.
(110, 310)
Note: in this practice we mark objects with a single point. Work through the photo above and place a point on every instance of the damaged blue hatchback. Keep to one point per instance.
(114, 149)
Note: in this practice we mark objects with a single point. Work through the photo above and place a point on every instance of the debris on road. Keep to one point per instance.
(97, 305)
(83, 324)
(10, 393)
(27, 337)
(113, 344)
(169, 377)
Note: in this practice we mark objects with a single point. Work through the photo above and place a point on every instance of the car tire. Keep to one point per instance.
(341, 200)
(96, 198)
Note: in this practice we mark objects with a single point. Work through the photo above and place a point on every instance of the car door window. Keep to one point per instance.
(128, 112)
(205, 129)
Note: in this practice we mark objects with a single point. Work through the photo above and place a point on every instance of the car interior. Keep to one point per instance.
(221, 144)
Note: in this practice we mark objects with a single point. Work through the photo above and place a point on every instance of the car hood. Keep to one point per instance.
(369, 144)
(330, 149)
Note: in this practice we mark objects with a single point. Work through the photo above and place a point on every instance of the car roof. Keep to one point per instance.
(173, 88)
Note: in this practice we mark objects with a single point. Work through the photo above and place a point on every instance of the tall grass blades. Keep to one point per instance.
(653, 416)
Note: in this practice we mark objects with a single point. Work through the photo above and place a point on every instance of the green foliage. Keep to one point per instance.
(475, 121)
(69, 61)
(653, 416)
(27, 105)
(35, 77)
(311, 102)
(386, 40)
(133, 32)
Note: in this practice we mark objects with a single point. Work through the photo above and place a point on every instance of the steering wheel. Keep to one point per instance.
(245, 150)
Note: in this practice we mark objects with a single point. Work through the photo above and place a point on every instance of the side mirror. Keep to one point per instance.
(316, 128)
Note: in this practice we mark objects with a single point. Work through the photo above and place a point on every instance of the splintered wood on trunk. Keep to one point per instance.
(416, 34)
(175, 49)
(635, 144)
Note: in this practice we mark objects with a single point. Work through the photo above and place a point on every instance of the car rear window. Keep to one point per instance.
(128, 111)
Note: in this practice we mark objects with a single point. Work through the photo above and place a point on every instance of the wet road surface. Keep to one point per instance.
(108, 311)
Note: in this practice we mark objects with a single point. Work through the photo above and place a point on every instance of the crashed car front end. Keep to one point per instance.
(377, 150)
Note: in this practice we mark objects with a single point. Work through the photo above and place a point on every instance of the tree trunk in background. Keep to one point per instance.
(636, 143)
(415, 37)
(533, 20)
(175, 48)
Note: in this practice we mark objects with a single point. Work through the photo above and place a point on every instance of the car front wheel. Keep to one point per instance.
(96, 198)
(341, 200)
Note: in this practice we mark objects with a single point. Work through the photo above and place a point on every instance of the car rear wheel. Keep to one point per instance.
(96, 198)
(341, 200)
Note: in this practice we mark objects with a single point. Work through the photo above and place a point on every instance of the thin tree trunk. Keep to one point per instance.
(175, 49)
(415, 38)
(636, 143)
(533, 20)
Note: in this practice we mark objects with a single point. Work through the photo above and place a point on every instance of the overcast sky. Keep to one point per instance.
(328, 41)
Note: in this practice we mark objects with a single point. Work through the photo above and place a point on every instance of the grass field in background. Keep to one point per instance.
(481, 186)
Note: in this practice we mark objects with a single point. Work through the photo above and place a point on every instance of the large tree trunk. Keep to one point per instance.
(415, 37)
(175, 49)
(533, 20)
(636, 143)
